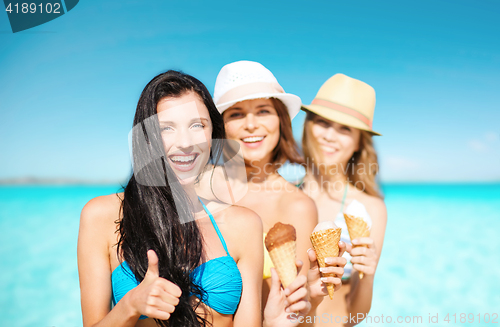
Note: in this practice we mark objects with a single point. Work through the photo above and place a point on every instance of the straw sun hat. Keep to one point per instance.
(248, 80)
(347, 101)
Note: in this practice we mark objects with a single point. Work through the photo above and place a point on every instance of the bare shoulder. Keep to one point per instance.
(296, 201)
(102, 212)
(97, 233)
(243, 219)
(375, 206)
(242, 228)
(298, 209)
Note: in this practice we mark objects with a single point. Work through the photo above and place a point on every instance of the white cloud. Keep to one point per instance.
(491, 137)
(485, 143)
(478, 146)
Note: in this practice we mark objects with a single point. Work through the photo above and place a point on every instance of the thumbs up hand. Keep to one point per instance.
(153, 271)
(155, 296)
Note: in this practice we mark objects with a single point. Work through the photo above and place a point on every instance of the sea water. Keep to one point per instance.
(441, 254)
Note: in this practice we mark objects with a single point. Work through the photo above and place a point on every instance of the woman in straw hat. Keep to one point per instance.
(257, 114)
(341, 169)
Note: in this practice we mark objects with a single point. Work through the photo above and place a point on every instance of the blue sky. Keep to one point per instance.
(68, 88)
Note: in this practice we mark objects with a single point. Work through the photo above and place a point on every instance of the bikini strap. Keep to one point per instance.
(343, 198)
(215, 226)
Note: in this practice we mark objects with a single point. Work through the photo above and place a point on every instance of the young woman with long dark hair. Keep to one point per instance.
(159, 252)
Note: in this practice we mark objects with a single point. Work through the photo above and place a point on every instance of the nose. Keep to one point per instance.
(250, 122)
(330, 134)
(184, 140)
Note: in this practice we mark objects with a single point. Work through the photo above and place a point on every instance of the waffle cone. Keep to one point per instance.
(284, 257)
(357, 227)
(326, 244)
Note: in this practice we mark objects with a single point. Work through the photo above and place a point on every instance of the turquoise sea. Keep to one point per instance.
(441, 254)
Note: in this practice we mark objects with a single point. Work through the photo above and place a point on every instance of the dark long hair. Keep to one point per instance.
(151, 219)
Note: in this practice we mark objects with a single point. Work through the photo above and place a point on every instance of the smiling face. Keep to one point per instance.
(256, 126)
(186, 132)
(336, 142)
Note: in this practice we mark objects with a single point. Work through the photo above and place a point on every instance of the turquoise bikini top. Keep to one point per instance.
(219, 278)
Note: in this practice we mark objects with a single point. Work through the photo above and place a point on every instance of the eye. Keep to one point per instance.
(345, 128)
(166, 128)
(322, 123)
(264, 112)
(235, 114)
(198, 125)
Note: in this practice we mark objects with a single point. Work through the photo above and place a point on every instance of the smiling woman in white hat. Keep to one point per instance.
(257, 114)
(341, 173)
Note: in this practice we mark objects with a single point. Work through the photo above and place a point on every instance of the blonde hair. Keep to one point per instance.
(361, 169)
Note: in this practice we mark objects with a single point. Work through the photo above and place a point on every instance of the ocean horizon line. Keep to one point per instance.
(57, 181)
(35, 181)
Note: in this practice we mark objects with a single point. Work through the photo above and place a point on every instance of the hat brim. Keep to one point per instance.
(291, 101)
(338, 117)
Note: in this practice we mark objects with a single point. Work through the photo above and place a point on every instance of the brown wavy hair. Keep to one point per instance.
(286, 149)
(361, 169)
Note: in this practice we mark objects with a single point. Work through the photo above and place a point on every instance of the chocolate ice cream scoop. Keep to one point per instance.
(280, 234)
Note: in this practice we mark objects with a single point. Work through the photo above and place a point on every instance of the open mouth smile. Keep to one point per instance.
(183, 162)
(253, 141)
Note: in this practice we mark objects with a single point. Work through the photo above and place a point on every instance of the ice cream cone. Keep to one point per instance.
(281, 244)
(326, 244)
(357, 227)
(283, 258)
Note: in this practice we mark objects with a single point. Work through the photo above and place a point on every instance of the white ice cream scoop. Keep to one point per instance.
(357, 209)
(324, 225)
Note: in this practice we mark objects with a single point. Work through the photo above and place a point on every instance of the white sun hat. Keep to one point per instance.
(247, 80)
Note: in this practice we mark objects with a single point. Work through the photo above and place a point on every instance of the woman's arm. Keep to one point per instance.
(365, 259)
(300, 211)
(246, 237)
(303, 215)
(94, 267)
(155, 297)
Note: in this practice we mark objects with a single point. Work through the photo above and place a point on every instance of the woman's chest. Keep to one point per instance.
(268, 205)
(328, 209)
(114, 261)
(213, 317)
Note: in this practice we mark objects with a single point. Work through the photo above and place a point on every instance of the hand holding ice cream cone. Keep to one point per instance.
(359, 223)
(325, 240)
(282, 302)
(357, 228)
(281, 245)
(315, 279)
